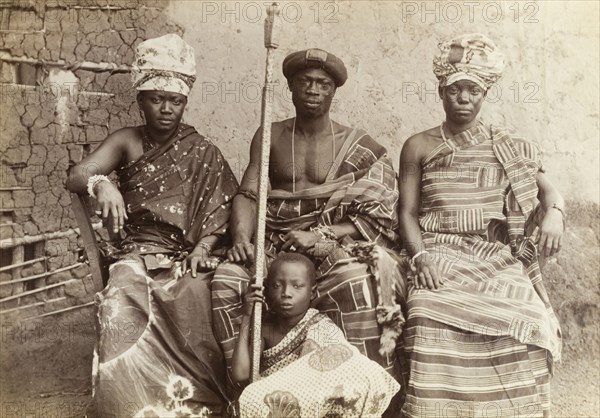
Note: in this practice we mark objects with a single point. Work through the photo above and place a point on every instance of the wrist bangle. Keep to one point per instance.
(93, 181)
(417, 255)
(561, 210)
(204, 245)
(248, 194)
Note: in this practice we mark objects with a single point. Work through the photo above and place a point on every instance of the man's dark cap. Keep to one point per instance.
(315, 58)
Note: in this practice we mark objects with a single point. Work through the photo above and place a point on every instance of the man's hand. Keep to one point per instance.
(241, 253)
(299, 241)
(253, 294)
(109, 201)
(550, 234)
(196, 260)
(427, 274)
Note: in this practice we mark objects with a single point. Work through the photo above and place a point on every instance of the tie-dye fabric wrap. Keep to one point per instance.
(156, 350)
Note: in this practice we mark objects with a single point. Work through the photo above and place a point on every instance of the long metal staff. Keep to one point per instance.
(271, 27)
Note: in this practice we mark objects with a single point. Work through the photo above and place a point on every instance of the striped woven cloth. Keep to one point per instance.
(361, 188)
(484, 343)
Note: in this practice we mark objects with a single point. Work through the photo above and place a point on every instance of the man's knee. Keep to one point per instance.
(229, 283)
(231, 273)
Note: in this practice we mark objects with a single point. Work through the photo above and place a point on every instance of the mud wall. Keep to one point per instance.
(64, 86)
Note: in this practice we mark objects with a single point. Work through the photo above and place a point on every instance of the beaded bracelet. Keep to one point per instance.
(204, 245)
(93, 181)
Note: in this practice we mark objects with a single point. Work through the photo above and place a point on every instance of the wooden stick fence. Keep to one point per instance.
(24, 263)
(30, 239)
(39, 276)
(33, 305)
(97, 67)
(70, 308)
(32, 292)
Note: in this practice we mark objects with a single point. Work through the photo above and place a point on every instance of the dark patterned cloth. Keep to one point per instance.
(175, 194)
(156, 350)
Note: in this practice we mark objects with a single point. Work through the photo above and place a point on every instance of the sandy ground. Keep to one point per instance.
(46, 367)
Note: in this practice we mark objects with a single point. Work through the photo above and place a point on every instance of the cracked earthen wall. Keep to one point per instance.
(51, 117)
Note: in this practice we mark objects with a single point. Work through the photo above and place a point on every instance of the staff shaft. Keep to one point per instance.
(263, 185)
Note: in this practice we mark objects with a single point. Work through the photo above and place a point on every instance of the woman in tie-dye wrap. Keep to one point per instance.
(156, 353)
(481, 336)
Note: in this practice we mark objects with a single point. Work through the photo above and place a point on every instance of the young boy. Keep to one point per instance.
(307, 366)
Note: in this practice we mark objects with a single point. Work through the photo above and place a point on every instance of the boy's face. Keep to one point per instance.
(289, 290)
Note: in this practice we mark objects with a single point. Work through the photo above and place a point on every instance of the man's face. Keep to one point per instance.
(312, 92)
(163, 110)
(289, 290)
(462, 101)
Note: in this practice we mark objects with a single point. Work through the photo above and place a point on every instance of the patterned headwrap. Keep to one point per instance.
(472, 57)
(166, 63)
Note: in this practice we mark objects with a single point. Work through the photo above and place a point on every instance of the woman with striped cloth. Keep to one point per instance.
(481, 336)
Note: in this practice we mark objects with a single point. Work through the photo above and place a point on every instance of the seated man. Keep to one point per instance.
(156, 349)
(328, 182)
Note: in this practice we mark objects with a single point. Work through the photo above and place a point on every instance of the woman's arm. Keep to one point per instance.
(553, 224)
(409, 205)
(103, 160)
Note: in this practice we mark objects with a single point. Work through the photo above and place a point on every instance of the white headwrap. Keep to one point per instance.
(166, 63)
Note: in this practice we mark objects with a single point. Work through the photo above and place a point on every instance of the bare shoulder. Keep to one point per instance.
(338, 127)
(420, 145)
(124, 136)
(429, 136)
(123, 145)
(279, 128)
(283, 124)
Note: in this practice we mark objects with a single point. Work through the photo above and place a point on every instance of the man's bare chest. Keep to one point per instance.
(309, 160)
